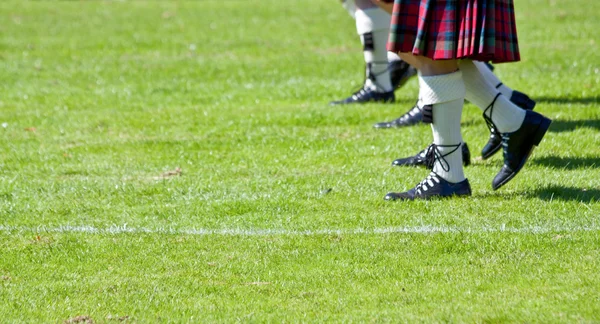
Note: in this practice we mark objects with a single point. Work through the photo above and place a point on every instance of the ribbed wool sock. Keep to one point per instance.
(378, 75)
(445, 93)
(504, 114)
(493, 79)
(373, 26)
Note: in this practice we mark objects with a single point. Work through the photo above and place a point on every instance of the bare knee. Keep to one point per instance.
(429, 67)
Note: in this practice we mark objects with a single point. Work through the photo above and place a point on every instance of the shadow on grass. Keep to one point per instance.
(567, 163)
(562, 101)
(559, 126)
(566, 194)
(550, 193)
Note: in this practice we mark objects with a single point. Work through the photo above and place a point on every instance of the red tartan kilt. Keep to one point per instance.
(482, 30)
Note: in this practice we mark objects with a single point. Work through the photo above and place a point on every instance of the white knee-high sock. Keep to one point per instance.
(446, 94)
(493, 79)
(504, 114)
(373, 26)
(392, 57)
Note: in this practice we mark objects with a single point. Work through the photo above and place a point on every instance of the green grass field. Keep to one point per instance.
(170, 161)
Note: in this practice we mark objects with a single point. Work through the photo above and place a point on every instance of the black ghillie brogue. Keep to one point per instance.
(400, 72)
(518, 146)
(412, 117)
(365, 95)
(434, 186)
(495, 141)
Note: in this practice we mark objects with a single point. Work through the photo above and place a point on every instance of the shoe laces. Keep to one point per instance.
(428, 183)
(413, 111)
(373, 76)
(360, 92)
(433, 154)
(488, 120)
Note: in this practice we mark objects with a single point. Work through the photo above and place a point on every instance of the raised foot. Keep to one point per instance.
(518, 146)
(494, 143)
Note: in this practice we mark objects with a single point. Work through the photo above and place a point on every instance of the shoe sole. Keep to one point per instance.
(422, 165)
(539, 135)
(409, 165)
(462, 195)
(340, 103)
(390, 125)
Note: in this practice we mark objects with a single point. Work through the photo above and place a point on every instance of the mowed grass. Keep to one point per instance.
(170, 118)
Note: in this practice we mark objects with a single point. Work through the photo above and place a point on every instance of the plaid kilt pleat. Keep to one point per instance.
(482, 30)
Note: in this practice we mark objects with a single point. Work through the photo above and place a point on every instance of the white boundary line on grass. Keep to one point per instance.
(424, 229)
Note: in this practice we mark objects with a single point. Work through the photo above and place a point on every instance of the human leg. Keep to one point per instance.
(414, 115)
(521, 129)
(520, 99)
(384, 71)
(442, 92)
(437, 30)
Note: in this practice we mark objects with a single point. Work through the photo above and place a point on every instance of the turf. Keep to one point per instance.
(201, 132)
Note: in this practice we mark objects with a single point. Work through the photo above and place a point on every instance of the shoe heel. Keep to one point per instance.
(541, 131)
(522, 100)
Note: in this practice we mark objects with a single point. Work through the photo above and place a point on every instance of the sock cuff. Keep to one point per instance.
(441, 88)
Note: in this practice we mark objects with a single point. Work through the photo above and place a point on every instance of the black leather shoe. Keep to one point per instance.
(522, 100)
(366, 95)
(423, 160)
(400, 72)
(412, 117)
(495, 142)
(519, 144)
(493, 145)
(433, 187)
